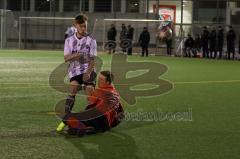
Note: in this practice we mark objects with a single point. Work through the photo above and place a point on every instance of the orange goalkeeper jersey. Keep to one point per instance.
(107, 100)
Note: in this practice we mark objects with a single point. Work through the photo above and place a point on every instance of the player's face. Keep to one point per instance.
(81, 28)
(102, 81)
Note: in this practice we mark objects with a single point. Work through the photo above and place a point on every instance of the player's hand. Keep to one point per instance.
(86, 77)
(72, 57)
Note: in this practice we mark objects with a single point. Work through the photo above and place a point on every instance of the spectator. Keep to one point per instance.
(212, 43)
(197, 45)
(130, 33)
(188, 45)
(112, 33)
(144, 40)
(205, 38)
(123, 35)
(239, 43)
(168, 38)
(220, 41)
(231, 37)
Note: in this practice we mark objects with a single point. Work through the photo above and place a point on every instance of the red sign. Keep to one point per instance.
(166, 12)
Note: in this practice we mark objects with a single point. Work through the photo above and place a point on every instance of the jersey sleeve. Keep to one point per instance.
(67, 31)
(70, 31)
(67, 47)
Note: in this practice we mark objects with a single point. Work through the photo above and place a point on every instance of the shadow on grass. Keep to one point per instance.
(117, 143)
(106, 145)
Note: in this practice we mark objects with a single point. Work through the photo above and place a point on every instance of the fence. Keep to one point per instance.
(48, 32)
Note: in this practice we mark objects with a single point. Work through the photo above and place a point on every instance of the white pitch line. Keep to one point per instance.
(180, 82)
(24, 96)
(32, 85)
(209, 82)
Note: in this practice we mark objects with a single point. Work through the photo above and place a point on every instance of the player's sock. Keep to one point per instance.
(69, 103)
(68, 108)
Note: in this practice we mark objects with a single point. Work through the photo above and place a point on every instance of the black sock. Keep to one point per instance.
(69, 103)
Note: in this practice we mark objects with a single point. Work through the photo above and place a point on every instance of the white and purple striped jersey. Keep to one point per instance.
(70, 31)
(87, 46)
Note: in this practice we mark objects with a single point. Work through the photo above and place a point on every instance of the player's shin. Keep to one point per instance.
(69, 103)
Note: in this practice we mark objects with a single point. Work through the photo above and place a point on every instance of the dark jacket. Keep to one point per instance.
(123, 33)
(112, 32)
(231, 37)
(130, 33)
(212, 40)
(197, 43)
(144, 38)
(205, 37)
(220, 38)
(189, 42)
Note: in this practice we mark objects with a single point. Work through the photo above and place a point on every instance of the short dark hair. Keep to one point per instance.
(81, 18)
(108, 75)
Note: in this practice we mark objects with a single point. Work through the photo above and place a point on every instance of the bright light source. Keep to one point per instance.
(136, 4)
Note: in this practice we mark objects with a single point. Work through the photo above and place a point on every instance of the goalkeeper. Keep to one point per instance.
(103, 112)
(80, 51)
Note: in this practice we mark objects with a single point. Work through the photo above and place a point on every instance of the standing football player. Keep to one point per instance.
(80, 50)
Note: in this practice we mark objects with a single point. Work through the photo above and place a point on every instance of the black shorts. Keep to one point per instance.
(94, 126)
(100, 124)
(91, 81)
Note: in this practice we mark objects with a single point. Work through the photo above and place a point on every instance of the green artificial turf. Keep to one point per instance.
(208, 90)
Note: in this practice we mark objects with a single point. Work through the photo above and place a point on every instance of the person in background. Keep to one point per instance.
(239, 44)
(197, 45)
(144, 40)
(111, 35)
(212, 43)
(123, 36)
(231, 38)
(205, 39)
(130, 33)
(188, 45)
(220, 41)
(169, 39)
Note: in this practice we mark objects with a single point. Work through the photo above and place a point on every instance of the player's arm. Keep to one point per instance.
(72, 57)
(91, 63)
(90, 69)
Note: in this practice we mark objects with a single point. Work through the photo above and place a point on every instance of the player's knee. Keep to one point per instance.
(74, 89)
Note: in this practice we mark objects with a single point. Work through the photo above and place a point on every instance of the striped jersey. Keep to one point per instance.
(86, 46)
(70, 31)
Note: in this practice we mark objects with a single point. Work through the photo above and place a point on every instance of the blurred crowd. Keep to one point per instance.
(210, 43)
